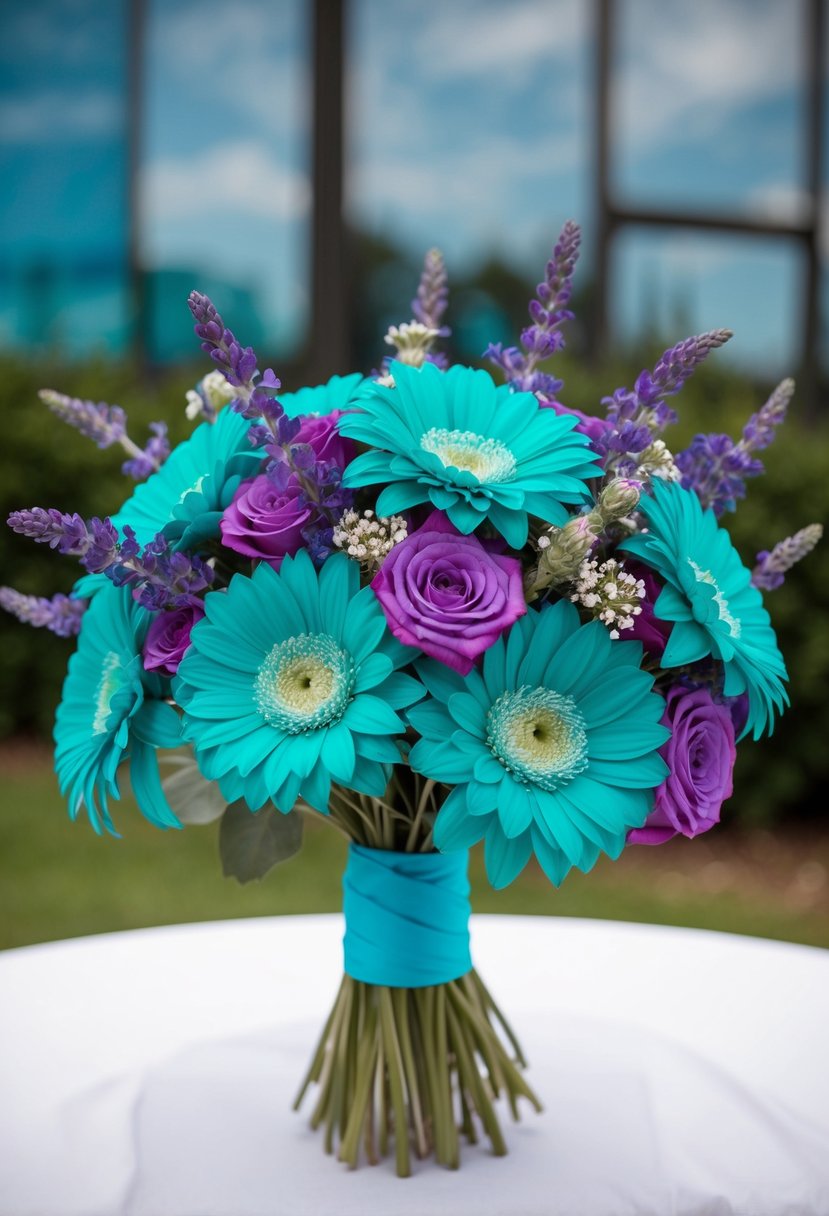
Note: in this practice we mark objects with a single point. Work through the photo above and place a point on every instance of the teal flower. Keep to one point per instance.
(474, 450)
(188, 494)
(337, 394)
(551, 747)
(291, 681)
(111, 711)
(709, 597)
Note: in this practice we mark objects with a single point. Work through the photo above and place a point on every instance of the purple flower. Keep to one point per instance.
(168, 638)
(320, 433)
(716, 468)
(156, 450)
(265, 519)
(61, 614)
(770, 571)
(588, 424)
(700, 754)
(648, 628)
(548, 312)
(447, 594)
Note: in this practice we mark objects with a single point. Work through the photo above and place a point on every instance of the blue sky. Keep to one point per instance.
(469, 128)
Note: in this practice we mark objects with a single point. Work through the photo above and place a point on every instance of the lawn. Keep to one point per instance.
(60, 880)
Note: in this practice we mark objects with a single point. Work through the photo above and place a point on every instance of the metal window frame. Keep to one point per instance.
(612, 216)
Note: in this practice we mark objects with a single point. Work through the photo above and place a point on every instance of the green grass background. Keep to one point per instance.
(58, 879)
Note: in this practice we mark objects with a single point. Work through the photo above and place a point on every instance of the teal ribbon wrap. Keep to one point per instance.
(406, 917)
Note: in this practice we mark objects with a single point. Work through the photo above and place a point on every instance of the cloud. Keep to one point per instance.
(683, 67)
(474, 38)
(246, 56)
(229, 177)
(50, 117)
(787, 204)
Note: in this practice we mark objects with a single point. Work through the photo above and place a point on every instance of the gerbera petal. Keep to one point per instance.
(454, 828)
(504, 858)
(371, 716)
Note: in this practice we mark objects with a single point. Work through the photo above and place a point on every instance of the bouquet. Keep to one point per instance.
(434, 610)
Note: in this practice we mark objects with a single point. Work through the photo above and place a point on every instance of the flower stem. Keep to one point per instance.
(390, 1060)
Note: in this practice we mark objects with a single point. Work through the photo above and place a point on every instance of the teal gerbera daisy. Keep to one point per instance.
(337, 394)
(291, 681)
(111, 711)
(551, 747)
(474, 450)
(186, 497)
(709, 597)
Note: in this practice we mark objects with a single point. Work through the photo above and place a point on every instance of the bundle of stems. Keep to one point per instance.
(418, 1068)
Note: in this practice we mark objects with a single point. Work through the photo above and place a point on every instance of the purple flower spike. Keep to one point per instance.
(716, 468)
(153, 456)
(238, 364)
(548, 312)
(432, 297)
(645, 403)
(103, 424)
(60, 614)
(770, 571)
(94, 542)
(106, 425)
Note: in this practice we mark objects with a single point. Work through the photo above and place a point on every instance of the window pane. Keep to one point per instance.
(708, 104)
(63, 220)
(225, 191)
(469, 130)
(670, 285)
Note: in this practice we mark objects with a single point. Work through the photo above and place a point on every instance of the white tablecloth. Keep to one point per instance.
(152, 1073)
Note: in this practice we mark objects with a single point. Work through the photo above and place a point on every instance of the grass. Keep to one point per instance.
(59, 880)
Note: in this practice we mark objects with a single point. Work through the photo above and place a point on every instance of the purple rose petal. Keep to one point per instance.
(700, 754)
(448, 594)
(265, 520)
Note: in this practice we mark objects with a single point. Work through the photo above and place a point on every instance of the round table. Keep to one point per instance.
(152, 1073)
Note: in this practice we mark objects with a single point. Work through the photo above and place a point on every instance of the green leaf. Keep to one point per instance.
(251, 843)
(191, 796)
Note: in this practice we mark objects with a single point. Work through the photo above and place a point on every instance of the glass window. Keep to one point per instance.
(669, 284)
(63, 215)
(468, 130)
(708, 105)
(224, 185)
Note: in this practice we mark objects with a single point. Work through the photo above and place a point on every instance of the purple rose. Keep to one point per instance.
(266, 521)
(168, 638)
(700, 754)
(648, 628)
(588, 424)
(320, 432)
(448, 594)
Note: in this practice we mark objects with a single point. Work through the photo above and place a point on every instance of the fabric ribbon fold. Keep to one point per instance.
(406, 917)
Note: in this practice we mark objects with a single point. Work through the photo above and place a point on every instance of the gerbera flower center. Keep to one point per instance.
(731, 622)
(304, 683)
(487, 459)
(539, 736)
(108, 685)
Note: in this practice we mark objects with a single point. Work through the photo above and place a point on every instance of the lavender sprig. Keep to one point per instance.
(257, 401)
(637, 416)
(432, 297)
(770, 571)
(645, 404)
(61, 614)
(107, 424)
(548, 312)
(155, 452)
(238, 364)
(162, 578)
(716, 467)
(95, 542)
